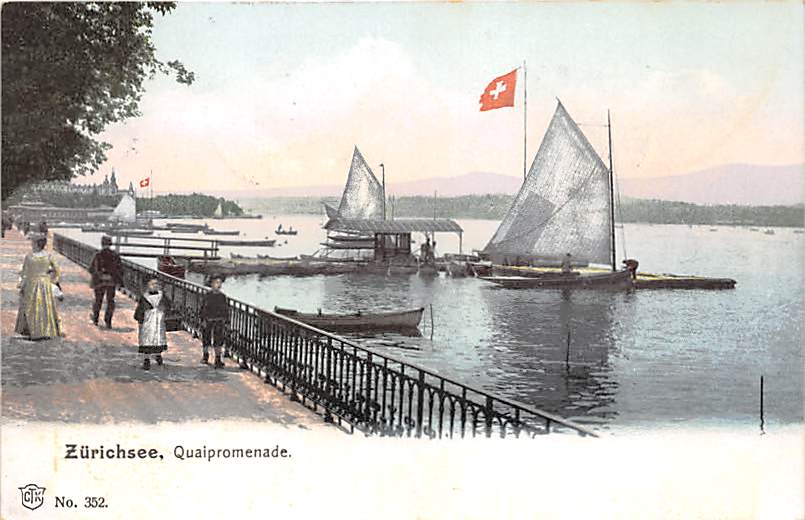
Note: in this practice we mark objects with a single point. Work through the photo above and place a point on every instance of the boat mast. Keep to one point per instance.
(611, 192)
(383, 170)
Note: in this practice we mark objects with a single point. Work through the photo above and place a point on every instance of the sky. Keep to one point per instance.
(285, 91)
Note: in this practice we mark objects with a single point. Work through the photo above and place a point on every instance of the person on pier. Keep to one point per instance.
(37, 317)
(567, 264)
(107, 275)
(214, 317)
(631, 266)
(150, 313)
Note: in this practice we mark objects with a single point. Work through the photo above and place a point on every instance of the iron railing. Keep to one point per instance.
(350, 384)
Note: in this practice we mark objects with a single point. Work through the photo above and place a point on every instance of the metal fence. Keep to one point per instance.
(349, 384)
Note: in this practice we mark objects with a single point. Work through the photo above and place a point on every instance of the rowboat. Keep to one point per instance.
(214, 232)
(380, 321)
(575, 280)
(168, 265)
(253, 243)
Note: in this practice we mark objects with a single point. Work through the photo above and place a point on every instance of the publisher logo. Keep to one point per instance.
(33, 496)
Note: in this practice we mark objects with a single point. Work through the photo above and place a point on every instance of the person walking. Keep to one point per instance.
(214, 316)
(150, 313)
(37, 317)
(107, 275)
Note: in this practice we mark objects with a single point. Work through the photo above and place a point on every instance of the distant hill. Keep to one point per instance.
(741, 184)
(473, 183)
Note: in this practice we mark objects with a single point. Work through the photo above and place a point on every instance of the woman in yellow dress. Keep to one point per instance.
(37, 317)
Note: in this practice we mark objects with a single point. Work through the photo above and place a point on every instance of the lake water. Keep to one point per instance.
(637, 360)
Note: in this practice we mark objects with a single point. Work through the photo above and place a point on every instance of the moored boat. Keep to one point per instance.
(168, 265)
(616, 280)
(222, 232)
(358, 321)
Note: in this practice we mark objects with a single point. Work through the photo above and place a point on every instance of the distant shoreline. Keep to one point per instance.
(494, 207)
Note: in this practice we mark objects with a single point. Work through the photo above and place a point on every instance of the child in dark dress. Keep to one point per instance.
(214, 316)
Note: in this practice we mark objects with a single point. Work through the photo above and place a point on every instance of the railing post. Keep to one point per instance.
(420, 403)
(488, 415)
(368, 409)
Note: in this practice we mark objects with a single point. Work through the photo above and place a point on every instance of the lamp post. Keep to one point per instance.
(383, 172)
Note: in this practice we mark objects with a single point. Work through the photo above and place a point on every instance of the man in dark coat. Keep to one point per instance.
(214, 315)
(107, 275)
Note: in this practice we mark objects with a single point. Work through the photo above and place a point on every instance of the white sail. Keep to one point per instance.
(219, 212)
(126, 209)
(564, 203)
(363, 194)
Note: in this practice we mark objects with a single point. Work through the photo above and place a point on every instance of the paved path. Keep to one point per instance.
(94, 375)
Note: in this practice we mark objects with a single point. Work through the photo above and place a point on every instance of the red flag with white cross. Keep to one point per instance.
(145, 182)
(500, 92)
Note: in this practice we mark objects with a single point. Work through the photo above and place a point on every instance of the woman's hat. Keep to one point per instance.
(106, 241)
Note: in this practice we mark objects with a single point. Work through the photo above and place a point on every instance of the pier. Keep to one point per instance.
(346, 384)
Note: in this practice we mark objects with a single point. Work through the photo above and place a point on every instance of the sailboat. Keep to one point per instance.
(362, 198)
(219, 212)
(565, 205)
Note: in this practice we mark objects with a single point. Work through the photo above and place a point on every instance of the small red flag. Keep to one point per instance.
(500, 92)
(145, 182)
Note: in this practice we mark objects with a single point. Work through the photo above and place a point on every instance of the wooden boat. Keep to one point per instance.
(131, 233)
(254, 243)
(616, 279)
(798, 231)
(768, 232)
(194, 227)
(459, 269)
(391, 321)
(280, 231)
(168, 265)
(481, 268)
(215, 232)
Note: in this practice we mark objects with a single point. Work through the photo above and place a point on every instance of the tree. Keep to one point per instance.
(68, 70)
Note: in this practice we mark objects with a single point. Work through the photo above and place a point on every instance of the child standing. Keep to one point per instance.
(214, 315)
(150, 314)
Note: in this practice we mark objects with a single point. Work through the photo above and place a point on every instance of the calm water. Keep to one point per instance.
(643, 359)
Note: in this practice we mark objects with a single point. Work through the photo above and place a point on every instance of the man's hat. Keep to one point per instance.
(106, 241)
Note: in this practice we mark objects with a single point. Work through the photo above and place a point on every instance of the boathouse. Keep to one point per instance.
(392, 238)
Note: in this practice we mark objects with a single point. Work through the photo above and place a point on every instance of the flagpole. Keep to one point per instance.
(525, 119)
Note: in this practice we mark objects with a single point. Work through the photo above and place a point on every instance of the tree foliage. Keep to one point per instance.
(196, 204)
(68, 70)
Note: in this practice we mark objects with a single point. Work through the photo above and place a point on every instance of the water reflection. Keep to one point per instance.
(552, 348)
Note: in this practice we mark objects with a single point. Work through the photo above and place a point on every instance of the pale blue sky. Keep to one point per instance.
(283, 91)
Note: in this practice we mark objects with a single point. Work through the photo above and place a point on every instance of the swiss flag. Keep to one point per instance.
(145, 182)
(500, 92)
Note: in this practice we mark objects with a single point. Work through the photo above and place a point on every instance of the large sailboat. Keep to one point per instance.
(565, 206)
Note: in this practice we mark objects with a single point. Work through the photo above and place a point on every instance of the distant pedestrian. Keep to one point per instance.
(631, 266)
(107, 275)
(37, 317)
(567, 264)
(214, 317)
(150, 313)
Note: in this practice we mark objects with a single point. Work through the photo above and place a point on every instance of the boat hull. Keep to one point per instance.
(382, 321)
(614, 280)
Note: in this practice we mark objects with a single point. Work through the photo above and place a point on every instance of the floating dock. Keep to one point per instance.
(644, 280)
(271, 267)
(277, 267)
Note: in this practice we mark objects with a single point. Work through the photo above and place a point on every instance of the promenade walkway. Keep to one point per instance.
(94, 375)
